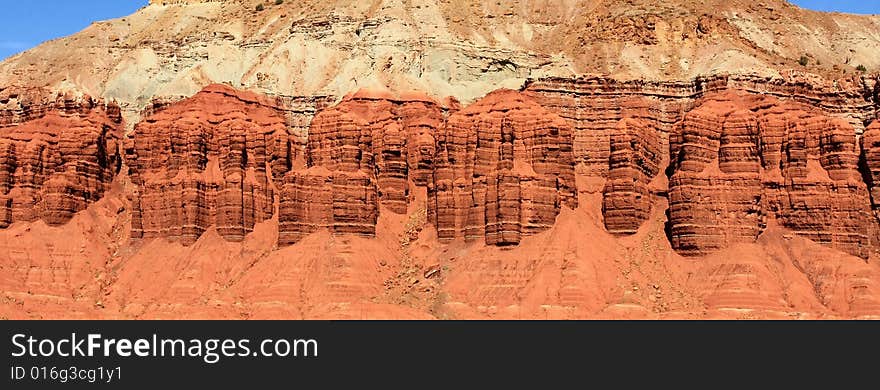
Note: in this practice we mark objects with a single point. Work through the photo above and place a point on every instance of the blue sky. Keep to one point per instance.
(27, 23)
(852, 6)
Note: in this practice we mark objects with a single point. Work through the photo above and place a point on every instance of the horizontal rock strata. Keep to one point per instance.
(636, 155)
(207, 161)
(594, 105)
(870, 160)
(503, 170)
(54, 164)
(741, 160)
(497, 170)
(365, 152)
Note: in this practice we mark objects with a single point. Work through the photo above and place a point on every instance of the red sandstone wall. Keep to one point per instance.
(207, 161)
(745, 171)
(635, 160)
(55, 163)
(742, 160)
(497, 170)
(504, 168)
(365, 152)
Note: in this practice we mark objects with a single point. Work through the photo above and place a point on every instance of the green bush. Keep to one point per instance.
(861, 68)
(259, 7)
(804, 61)
(279, 2)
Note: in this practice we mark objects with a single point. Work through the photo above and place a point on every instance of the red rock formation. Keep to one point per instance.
(504, 169)
(207, 160)
(594, 105)
(742, 167)
(636, 155)
(342, 202)
(56, 165)
(870, 145)
(742, 159)
(594, 108)
(361, 153)
(711, 208)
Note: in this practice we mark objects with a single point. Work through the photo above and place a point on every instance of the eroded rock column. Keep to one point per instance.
(636, 155)
(503, 170)
(364, 153)
(59, 162)
(743, 160)
(207, 161)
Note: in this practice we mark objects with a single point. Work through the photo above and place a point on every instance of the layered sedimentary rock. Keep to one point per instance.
(745, 172)
(55, 163)
(207, 161)
(710, 207)
(594, 105)
(503, 170)
(634, 161)
(22, 104)
(366, 151)
(870, 144)
(741, 160)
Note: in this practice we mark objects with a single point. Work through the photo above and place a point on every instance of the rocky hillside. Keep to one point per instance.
(445, 159)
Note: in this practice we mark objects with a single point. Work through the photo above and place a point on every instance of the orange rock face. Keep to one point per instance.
(636, 155)
(740, 161)
(604, 200)
(365, 152)
(56, 165)
(503, 170)
(870, 144)
(208, 160)
(594, 105)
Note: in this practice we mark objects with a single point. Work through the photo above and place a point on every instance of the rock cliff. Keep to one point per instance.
(636, 155)
(870, 144)
(207, 161)
(365, 152)
(55, 165)
(503, 170)
(740, 160)
(445, 159)
(461, 48)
